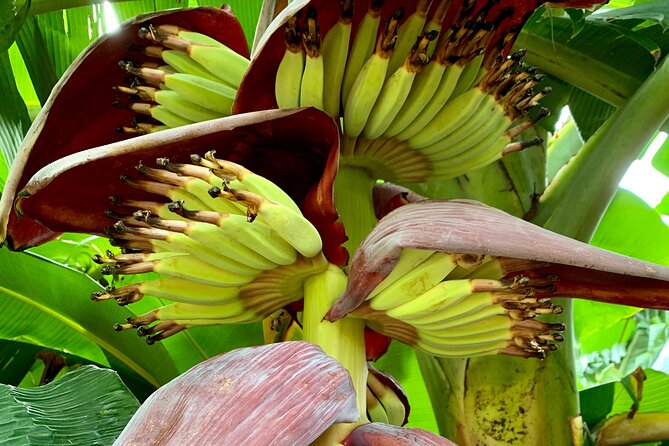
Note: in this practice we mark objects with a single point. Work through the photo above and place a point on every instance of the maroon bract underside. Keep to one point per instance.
(79, 114)
(257, 90)
(320, 211)
(388, 197)
(376, 344)
(290, 147)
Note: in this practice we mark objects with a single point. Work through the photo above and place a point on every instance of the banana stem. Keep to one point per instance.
(344, 340)
(597, 78)
(353, 199)
(576, 199)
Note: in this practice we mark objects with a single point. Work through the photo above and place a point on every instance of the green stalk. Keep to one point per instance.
(344, 340)
(501, 400)
(580, 193)
(578, 69)
(353, 200)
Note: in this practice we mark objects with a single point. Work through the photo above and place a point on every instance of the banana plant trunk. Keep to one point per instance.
(505, 400)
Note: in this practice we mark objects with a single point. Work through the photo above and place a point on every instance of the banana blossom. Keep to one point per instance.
(452, 278)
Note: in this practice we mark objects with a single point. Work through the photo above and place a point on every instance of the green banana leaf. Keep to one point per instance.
(12, 15)
(45, 304)
(16, 360)
(14, 121)
(630, 227)
(596, 403)
(88, 406)
(655, 395)
(655, 11)
(661, 159)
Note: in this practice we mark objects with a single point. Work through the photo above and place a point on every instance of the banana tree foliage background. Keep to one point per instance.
(50, 331)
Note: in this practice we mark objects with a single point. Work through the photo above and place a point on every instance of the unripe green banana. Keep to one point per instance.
(290, 225)
(362, 48)
(414, 283)
(244, 179)
(480, 126)
(454, 114)
(480, 325)
(396, 89)
(479, 341)
(182, 63)
(289, 75)
(407, 34)
(154, 33)
(209, 94)
(428, 113)
(424, 86)
(220, 60)
(435, 300)
(409, 260)
(483, 154)
(211, 236)
(212, 95)
(468, 77)
(236, 229)
(161, 113)
(335, 54)
(174, 289)
(469, 146)
(186, 311)
(393, 407)
(368, 84)
(184, 267)
(468, 314)
(197, 180)
(376, 413)
(466, 351)
(311, 87)
(177, 104)
(167, 241)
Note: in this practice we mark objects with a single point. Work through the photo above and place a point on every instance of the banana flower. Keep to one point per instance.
(244, 215)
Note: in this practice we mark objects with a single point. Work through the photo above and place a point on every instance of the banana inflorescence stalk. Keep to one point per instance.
(194, 78)
(226, 246)
(420, 98)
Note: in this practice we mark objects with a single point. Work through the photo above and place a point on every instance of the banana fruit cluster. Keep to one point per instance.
(228, 246)
(418, 99)
(386, 401)
(454, 305)
(192, 78)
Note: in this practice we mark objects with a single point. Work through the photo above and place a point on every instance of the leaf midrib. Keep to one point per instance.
(134, 366)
